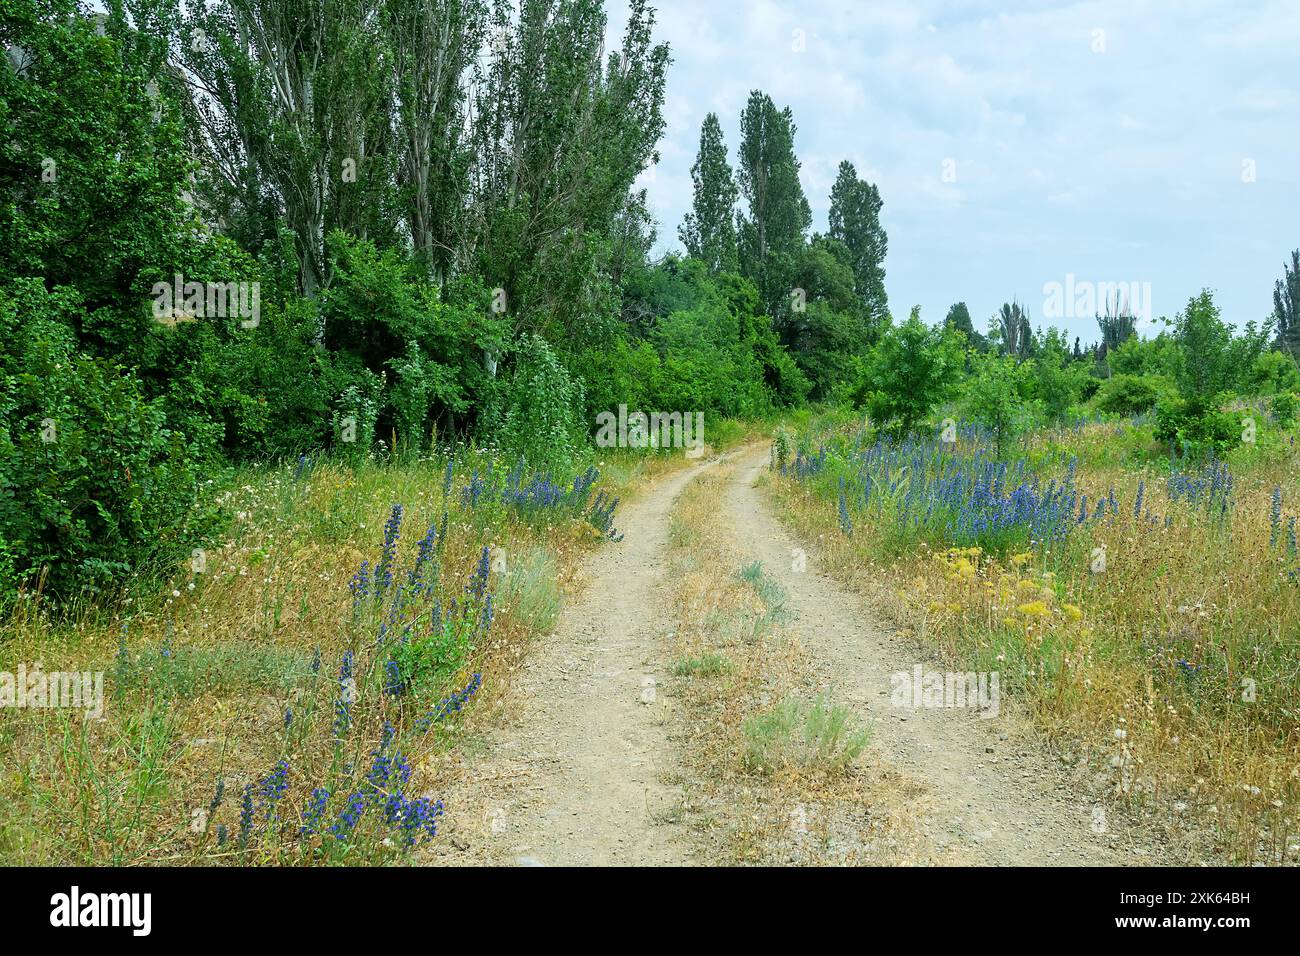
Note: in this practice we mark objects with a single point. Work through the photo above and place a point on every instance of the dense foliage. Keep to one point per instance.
(237, 232)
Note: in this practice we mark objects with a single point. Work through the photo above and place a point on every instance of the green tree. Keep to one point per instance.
(824, 331)
(1286, 306)
(958, 318)
(559, 136)
(92, 162)
(854, 220)
(709, 230)
(993, 399)
(1012, 323)
(291, 114)
(1117, 326)
(777, 217)
(911, 370)
(1056, 382)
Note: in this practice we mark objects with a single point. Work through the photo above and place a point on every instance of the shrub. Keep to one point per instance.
(1284, 408)
(911, 370)
(92, 484)
(1126, 394)
(1274, 373)
(802, 734)
(1196, 427)
(993, 399)
(536, 417)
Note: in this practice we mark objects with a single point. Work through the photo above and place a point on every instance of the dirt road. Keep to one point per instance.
(579, 777)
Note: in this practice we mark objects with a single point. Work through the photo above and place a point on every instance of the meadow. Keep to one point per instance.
(287, 695)
(1142, 609)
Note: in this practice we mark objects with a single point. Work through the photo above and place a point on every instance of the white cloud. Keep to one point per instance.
(1119, 165)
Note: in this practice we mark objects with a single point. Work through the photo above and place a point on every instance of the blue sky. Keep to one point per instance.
(1147, 141)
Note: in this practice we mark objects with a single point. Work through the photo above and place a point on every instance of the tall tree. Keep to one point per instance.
(1117, 325)
(855, 221)
(709, 230)
(433, 45)
(291, 115)
(772, 229)
(92, 161)
(958, 317)
(561, 131)
(1286, 306)
(1013, 324)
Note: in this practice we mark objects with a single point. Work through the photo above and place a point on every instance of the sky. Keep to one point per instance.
(1154, 143)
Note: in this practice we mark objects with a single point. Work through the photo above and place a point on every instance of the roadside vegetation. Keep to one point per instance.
(775, 772)
(1129, 568)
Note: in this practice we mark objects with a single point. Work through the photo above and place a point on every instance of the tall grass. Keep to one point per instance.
(1145, 608)
(263, 705)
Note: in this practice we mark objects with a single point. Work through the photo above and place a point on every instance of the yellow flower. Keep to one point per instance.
(1033, 609)
(1072, 612)
(1020, 560)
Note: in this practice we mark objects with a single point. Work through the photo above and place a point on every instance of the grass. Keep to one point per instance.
(708, 664)
(1171, 669)
(733, 656)
(815, 735)
(251, 714)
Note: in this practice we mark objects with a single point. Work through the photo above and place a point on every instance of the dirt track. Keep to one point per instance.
(579, 777)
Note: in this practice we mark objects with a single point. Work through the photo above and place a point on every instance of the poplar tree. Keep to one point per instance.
(771, 233)
(855, 221)
(709, 230)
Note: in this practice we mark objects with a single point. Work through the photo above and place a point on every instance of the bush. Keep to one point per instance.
(1284, 408)
(993, 399)
(536, 415)
(1126, 394)
(912, 368)
(800, 734)
(93, 485)
(1274, 373)
(1196, 427)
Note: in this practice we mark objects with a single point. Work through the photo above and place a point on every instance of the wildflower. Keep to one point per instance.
(1072, 612)
(450, 705)
(274, 785)
(246, 817)
(360, 583)
(1033, 609)
(315, 810)
(217, 797)
(384, 569)
(348, 819)
(394, 684)
(420, 818)
(424, 553)
(347, 694)
(478, 581)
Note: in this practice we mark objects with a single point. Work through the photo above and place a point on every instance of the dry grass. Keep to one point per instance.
(1170, 678)
(200, 674)
(763, 789)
